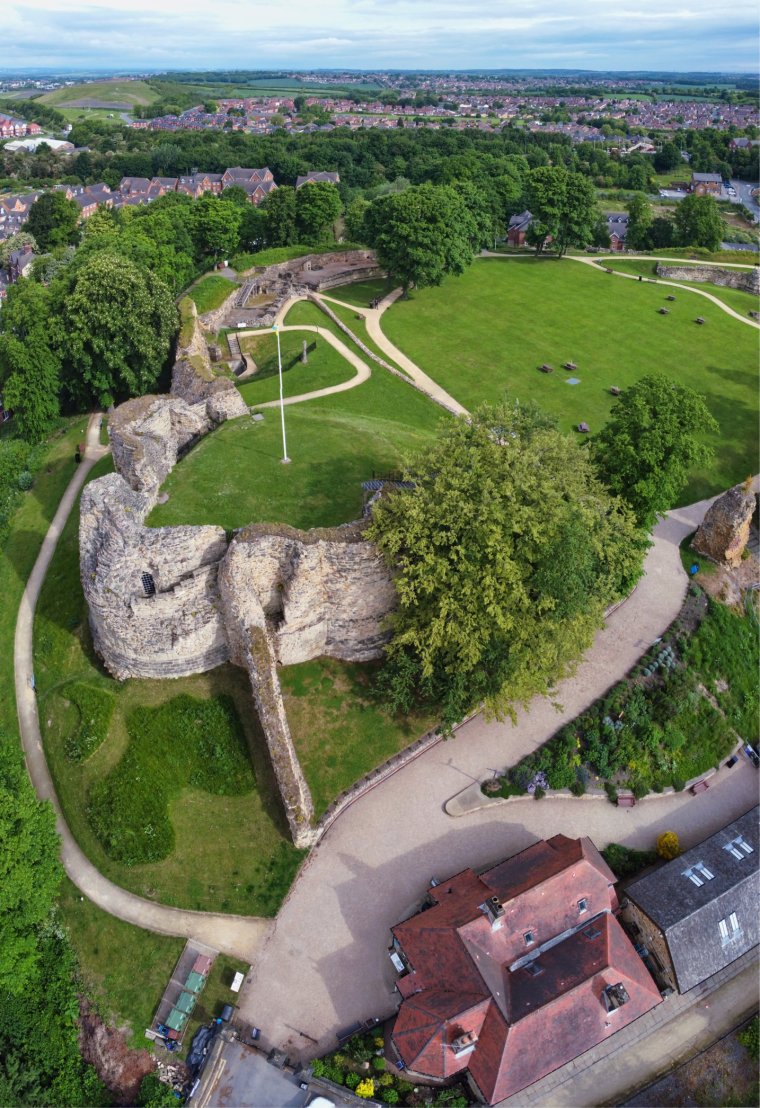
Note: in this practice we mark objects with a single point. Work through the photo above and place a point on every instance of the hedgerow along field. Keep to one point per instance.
(201, 871)
(487, 333)
(235, 476)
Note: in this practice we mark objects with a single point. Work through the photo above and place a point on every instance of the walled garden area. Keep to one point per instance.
(681, 711)
(487, 332)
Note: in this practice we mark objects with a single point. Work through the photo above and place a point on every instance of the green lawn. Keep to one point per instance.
(108, 951)
(305, 312)
(742, 302)
(211, 292)
(235, 476)
(340, 729)
(361, 293)
(486, 333)
(113, 92)
(325, 366)
(201, 871)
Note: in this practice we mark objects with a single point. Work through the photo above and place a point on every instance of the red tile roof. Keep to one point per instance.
(468, 969)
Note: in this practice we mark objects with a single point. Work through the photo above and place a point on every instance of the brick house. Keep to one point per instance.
(617, 228)
(699, 912)
(518, 228)
(318, 177)
(706, 184)
(20, 263)
(507, 975)
(239, 175)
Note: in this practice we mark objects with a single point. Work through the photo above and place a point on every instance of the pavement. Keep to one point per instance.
(324, 965)
(236, 935)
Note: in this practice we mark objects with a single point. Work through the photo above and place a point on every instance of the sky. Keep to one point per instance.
(142, 35)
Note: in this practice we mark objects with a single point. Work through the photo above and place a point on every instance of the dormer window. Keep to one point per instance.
(534, 969)
(529, 938)
(698, 874)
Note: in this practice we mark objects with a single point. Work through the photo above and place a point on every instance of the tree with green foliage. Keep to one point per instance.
(563, 205)
(661, 233)
(317, 208)
(506, 551)
(646, 449)
(155, 1093)
(354, 219)
(698, 222)
(53, 221)
(16, 242)
(422, 235)
(118, 322)
(30, 872)
(639, 222)
(280, 209)
(668, 158)
(29, 364)
(216, 227)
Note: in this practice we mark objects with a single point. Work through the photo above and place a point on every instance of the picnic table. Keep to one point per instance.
(546, 368)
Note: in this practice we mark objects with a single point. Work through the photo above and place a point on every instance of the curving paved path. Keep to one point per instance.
(362, 373)
(237, 935)
(375, 862)
(596, 263)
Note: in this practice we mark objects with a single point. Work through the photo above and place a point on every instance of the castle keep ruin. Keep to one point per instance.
(173, 601)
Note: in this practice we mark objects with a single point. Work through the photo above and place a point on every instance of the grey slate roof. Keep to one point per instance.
(690, 914)
(714, 177)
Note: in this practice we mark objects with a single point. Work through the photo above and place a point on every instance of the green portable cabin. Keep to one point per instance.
(195, 982)
(186, 1003)
(176, 1020)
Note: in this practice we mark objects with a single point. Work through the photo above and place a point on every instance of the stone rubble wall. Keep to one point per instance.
(748, 280)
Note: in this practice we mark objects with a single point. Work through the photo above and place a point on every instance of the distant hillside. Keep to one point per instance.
(101, 94)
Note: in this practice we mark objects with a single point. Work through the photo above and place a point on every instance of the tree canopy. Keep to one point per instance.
(506, 552)
(422, 234)
(53, 220)
(563, 206)
(118, 322)
(646, 449)
(698, 222)
(317, 207)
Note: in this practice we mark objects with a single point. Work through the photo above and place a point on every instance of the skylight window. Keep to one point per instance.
(529, 938)
(534, 969)
(729, 929)
(698, 874)
(582, 905)
(739, 848)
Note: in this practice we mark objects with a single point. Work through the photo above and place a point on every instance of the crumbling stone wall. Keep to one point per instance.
(724, 531)
(748, 280)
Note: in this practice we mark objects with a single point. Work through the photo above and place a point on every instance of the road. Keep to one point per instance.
(744, 196)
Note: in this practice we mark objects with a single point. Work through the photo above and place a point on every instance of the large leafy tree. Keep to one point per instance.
(563, 205)
(119, 322)
(317, 208)
(698, 222)
(280, 208)
(30, 872)
(422, 234)
(639, 222)
(29, 363)
(506, 552)
(53, 221)
(216, 225)
(645, 451)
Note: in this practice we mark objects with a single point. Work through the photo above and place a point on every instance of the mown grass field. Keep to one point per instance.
(111, 92)
(339, 725)
(235, 475)
(229, 852)
(484, 335)
(211, 292)
(305, 313)
(325, 366)
(742, 302)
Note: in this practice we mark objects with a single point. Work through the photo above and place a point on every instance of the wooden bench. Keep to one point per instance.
(626, 801)
(699, 787)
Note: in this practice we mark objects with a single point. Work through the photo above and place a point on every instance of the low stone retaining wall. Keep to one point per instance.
(746, 280)
(472, 799)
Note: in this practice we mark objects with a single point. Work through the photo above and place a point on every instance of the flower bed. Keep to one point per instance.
(660, 727)
(359, 1065)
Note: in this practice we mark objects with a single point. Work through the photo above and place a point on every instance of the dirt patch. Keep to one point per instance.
(721, 1075)
(120, 1069)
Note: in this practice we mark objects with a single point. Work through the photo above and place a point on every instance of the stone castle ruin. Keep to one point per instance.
(748, 280)
(173, 601)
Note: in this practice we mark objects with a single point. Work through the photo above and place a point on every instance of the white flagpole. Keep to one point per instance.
(285, 458)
